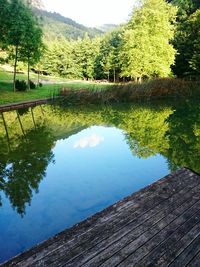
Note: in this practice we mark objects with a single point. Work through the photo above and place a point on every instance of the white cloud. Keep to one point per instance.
(90, 141)
(93, 12)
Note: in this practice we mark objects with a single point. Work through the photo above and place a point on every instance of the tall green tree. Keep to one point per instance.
(107, 62)
(4, 22)
(17, 29)
(185, 7)
(59, 59)
(86, 51)
(194, 34)
(146, 49)
(103, 62)
(32, 47)
(185, 36)
(23, 34)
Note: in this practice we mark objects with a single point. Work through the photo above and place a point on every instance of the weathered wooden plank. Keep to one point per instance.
(162, 235)
(188, 254)
(165, 253)
(133, 230)
(138, 203)
(195, 262)
(29, 103)
(133, 227)
(137, 249)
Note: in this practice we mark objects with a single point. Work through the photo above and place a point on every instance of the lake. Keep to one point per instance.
(59, 165)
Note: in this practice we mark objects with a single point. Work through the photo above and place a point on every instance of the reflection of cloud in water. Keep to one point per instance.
(90, 141)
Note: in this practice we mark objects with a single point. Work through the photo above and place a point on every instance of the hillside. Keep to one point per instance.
(56, 25)
(107, 27)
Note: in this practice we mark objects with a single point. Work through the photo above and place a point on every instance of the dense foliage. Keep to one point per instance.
(146, 51)
(187, 38)
(140, 49)
(20, 34)
(161, 39)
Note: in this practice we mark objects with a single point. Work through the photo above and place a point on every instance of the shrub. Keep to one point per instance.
(32, 85)
(20, 85)
(128, 92)
(40, 84)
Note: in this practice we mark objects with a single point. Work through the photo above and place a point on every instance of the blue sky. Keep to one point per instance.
(93, 12)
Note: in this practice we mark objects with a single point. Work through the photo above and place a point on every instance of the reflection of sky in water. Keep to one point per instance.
(89, 141)
(80, 183)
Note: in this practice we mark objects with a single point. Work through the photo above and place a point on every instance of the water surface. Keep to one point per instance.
(58, 166)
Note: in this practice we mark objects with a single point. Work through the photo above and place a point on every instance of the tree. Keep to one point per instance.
(17, 30)
(185, 36)
(86, 51)
(32, 47)
(103, 60)
(195, 36)
(107, 63)
(146, 49)
(59, 59)
(187, 44)
(185, 8)
(21, 33)
(4, 22)
(115, 43)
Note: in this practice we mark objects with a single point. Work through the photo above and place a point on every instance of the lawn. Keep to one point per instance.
(51, 86)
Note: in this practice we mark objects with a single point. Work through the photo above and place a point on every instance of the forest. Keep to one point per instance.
(161, 39)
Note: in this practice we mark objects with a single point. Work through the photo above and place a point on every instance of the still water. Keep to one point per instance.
(58, 166)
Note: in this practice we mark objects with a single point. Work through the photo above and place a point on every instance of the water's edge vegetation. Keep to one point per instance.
(122, 93)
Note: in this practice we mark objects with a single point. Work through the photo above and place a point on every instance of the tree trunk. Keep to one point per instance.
(33, 118)
(108, 76)
(28, 81)
(20, 123)
(15, 69)
(6, 129)
(114, 74)
(38, 78)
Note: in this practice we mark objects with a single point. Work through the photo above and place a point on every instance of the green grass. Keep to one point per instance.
(6, 76)
(76, 92)
(51, 86)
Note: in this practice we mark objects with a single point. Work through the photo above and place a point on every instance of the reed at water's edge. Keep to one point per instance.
(128, 92)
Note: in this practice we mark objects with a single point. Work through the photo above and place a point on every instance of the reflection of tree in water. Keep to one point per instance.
(172, 131)
(23, 167)
(184, 136)
(145, 131)
(3, 152)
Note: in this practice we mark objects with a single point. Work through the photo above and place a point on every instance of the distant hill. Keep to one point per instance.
(107, 27)
(35, 3)
(56, 25)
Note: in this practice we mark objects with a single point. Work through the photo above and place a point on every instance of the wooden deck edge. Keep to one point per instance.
(81, 227)
(24, 104)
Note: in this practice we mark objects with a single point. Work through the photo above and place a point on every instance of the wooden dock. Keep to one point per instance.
(157, 226)
(25, 104)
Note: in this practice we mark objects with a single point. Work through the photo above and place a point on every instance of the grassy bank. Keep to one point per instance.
(82, 92)
(51, 86)
(47, 90)
(154, 89)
